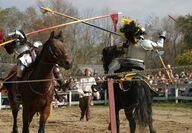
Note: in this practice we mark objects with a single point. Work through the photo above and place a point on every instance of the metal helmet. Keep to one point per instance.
(131, 30)
(143, 30)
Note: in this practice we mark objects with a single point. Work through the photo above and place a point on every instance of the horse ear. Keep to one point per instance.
(60, 33)
(52, 35)
(60, 36)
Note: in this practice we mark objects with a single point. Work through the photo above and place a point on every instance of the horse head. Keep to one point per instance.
(55, 51)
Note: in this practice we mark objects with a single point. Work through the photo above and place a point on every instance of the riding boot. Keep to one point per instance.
(18, 94)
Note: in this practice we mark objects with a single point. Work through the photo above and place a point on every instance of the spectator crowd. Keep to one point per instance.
(177, 78)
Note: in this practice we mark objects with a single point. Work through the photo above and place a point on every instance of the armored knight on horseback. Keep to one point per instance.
(134, 47)
(132, 91)
(27, 53)
(25, 50)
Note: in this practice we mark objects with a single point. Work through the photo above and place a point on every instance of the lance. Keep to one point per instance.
(164, 66)
(172, 18)
(46, 9)
(57, 26)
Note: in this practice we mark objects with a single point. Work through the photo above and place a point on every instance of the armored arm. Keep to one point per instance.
(161, 40)
(149, 45)
(58, 75)
(19, 35)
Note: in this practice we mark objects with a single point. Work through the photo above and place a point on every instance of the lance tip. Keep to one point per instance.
(42, 8)
(45, 9)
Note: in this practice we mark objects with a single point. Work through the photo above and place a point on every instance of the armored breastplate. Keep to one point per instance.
(21, 48)
(136, 52)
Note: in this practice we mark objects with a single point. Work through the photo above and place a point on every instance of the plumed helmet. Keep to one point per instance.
(131, 30)
(143, 30)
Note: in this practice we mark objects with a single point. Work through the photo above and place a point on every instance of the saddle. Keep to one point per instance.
(12, 73)
(126, 81)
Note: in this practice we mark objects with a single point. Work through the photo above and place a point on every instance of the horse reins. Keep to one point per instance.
(41, 94)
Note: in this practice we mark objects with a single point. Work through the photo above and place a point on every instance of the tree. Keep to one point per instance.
(173, 42)
(11, 18)
(91, 40)
(184, 24)
(185, 58)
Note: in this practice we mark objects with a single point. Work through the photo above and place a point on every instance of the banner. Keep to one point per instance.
(114, 18)
(1, 37)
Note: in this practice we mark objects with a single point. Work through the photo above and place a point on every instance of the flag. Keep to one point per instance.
(114, 18)
(1, 37)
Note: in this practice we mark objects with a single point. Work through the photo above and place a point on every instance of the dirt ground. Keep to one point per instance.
(66, 120)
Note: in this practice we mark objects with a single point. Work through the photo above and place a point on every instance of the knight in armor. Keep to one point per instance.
(25, 50)
(135, 47)
(27, 53)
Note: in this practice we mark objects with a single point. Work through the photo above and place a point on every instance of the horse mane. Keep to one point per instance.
(109, 53)
(45, 45)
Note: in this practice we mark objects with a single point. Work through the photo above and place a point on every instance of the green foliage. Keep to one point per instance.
(11, 18)
(185, 58)
(184, 24)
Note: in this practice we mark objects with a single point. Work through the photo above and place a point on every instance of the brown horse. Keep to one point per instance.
(37, 96)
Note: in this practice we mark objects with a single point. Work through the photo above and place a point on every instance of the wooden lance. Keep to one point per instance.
(57, 26)
(164, 66)
(46, 9)
(172, 18)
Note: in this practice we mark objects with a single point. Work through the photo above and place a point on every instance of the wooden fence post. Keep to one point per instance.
(166, 92)
(176, 94)
(70, 98)
(0, 101)
(112, 106)
(105, 97)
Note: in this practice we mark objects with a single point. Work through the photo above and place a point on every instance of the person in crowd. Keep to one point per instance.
(170, 70)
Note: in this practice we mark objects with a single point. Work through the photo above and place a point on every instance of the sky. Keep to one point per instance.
(137, 9)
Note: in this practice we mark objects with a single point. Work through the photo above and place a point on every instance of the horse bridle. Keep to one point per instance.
(41, 94)
(52, 53)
